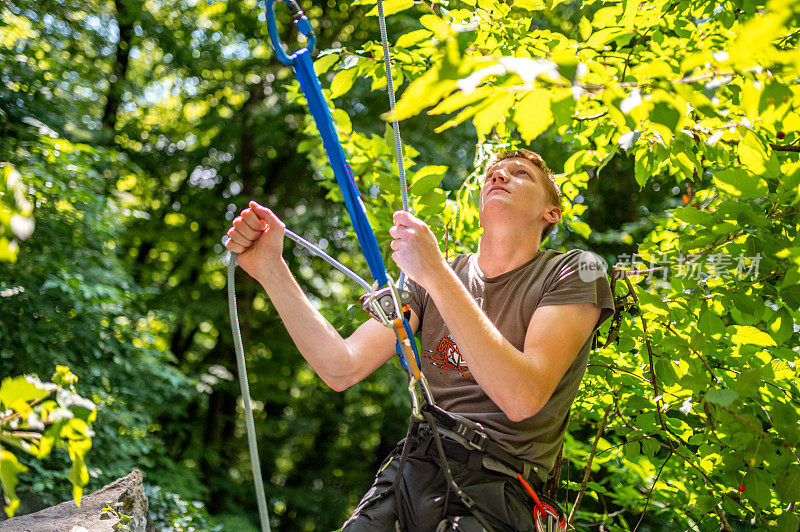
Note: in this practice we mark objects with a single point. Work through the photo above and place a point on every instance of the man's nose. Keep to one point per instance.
(499, 175)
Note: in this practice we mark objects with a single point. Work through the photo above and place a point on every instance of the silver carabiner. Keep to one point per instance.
(412, 394)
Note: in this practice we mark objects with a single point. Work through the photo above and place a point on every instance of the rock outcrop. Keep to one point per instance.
(125, 496)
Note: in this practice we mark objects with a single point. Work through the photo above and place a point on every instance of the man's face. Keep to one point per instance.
(513, 189)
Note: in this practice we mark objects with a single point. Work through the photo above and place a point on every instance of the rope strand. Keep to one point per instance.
(248, 409)
(398, 142)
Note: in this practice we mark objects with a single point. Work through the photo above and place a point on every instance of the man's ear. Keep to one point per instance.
(552, 214)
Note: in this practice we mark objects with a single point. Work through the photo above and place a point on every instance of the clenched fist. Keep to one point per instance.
(257, 236)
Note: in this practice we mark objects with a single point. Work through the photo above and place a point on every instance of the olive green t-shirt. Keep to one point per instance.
(509, 300)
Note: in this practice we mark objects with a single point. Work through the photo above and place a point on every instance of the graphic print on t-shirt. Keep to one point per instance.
(448, 357)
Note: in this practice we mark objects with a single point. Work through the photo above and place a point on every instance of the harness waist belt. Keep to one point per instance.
(474, 435)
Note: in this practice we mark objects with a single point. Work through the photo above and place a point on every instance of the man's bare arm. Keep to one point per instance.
(257, 235)
(519, 382)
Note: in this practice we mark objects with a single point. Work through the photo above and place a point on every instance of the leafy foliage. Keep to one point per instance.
(170, 513)
(139, 130)
(36, 417)
(15, 212)
(68, 301)
(699, 370)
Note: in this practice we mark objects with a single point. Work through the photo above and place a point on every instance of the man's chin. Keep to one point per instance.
(497, 210)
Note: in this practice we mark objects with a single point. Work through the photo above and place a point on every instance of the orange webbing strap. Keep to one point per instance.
(405, 342)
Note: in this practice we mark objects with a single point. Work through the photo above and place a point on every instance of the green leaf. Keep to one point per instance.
(788, 522)
(530, 5)
(413, 37)
(343, 81)
(693, 216)
(601, 37)
(424, 91)
(752, 154)
(580, 227)
(665, 114)
(643, 166)
(430, 170)
(342, 121)
(459, 100)
(757, 487)
(650, 447)
(747, 334)
(781, 326)
(748, 381)
(740, 183)
(427, 179)
(324, 63)
(723, 398)
(10, 468)
(491, 113)
(434, 23)
(788, 485)
(17, 392)
(629, 13)
(631, 451)
(79, 477)
(533, 114)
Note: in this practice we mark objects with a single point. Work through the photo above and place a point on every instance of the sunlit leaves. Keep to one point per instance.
(10, 469)
(533, 114)
(30, 420)
(745, 334)
(740, 183)
(15, 212)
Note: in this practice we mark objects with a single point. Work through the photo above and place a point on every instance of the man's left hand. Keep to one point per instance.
(416, 250)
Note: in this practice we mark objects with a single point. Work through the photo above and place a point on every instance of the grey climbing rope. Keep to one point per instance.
(330, 260)
(398, 142)
(242, 367)
(248, 409)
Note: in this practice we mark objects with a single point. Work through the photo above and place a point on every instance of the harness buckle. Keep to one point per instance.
(473, 437)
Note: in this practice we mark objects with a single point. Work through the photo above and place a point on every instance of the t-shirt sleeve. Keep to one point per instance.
(580, 277)
(418, 296)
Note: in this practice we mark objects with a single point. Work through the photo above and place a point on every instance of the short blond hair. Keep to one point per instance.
(554, 195)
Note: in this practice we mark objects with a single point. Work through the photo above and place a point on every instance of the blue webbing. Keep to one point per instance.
(303, 66)
(309, 83)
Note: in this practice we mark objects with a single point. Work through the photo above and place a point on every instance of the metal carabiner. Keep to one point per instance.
(303, 25)
(412, 395)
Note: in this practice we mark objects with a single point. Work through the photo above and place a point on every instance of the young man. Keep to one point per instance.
(505, 335)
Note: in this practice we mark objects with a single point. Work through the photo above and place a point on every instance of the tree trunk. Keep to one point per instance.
(126, 17)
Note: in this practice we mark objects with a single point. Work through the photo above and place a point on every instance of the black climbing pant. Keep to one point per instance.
(427, 504)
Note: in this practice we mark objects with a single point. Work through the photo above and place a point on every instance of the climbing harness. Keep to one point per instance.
(384, 301)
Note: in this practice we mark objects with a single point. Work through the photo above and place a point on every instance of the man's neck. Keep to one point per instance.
(502, 250)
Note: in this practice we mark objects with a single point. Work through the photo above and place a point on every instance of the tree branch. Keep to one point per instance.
(588, 468)
(653, 380)
(650, 493)
(785, 147)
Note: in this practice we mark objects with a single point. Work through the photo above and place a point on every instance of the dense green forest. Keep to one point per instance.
(131, 133)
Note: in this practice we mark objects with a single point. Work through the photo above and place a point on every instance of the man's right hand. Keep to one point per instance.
(257, 236)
